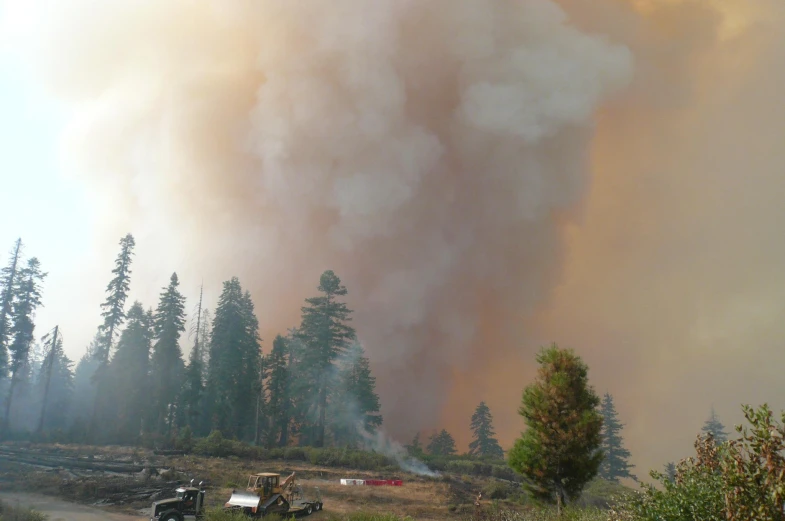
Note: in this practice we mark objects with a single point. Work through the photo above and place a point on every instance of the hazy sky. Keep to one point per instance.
(607, 175)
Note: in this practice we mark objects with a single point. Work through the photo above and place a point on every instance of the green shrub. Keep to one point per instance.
(10, 513)
(741, 480)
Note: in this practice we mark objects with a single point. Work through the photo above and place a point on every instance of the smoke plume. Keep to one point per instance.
(484, 175)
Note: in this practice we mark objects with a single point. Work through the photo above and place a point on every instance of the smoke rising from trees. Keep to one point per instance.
(486, 176)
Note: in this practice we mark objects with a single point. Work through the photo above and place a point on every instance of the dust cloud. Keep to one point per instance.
(485, 177)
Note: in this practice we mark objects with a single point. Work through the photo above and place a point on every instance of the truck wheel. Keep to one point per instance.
(309, 510)
(318, 506)
(171, 517)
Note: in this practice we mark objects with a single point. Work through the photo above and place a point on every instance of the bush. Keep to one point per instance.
(741, 480)
(10, 513)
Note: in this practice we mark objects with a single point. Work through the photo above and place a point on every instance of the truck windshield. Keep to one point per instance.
(180, 494)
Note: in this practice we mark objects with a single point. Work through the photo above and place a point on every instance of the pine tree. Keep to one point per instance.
(129, 370)
(558, 453)
(233, 368)
(84, 394)
(356, 404)
(303, 402)
(117, 293)
(325, 332)
(8, 281)
(114, 316)
(714, 426)
(55, 386)
(193, 387)
(615, 462)
(415, 449)
(166, 362)
(27, 298)
(484, 443)
(441, 444)
(278, 392)
(670, 471)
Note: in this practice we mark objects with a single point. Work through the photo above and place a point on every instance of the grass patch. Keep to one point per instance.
(11, 513)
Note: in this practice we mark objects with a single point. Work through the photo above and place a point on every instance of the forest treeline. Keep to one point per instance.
(133, 385)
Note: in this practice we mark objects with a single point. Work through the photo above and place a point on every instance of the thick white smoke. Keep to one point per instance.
(428, 152)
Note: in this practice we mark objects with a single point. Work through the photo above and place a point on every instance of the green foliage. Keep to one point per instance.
(715, 428)
(484, 442)
(615, 464)
(415, 449)
(26, 298)
(117, 293)
(192, 393)
(278, 407)
(11, 513)
(741, 480)
(441, 444)
(233, 370)
(8, 277)
(558, 452)
(166, 361)
(130, 398)
(355, 404)
(325, 333)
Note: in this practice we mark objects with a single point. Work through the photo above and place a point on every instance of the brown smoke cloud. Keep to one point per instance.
(485, 176)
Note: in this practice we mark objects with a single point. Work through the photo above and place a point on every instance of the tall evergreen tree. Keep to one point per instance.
(326, 333)
(8, 281)
(615, 464)
(27, 298)
(117, 293)
(55, 386)
(113, 312)
(484, 442)
(356, 404)
(441, 444)
(233, 367)
(278, 392)
(84, 394)
(302, 406)
(714, 426)
(193, 387)
(415, 448)
(166, 363)
(129, 370)
(558, 453)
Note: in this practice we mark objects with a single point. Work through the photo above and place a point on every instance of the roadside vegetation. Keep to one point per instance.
(9, 512)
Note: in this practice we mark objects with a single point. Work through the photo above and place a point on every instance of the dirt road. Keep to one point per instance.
(59, 510)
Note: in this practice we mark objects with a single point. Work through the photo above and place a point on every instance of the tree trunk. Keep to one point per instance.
(322, 416)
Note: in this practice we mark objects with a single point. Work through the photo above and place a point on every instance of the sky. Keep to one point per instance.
(607, 177)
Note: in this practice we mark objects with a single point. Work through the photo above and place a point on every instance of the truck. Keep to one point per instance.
(187, 505)
(267, 494)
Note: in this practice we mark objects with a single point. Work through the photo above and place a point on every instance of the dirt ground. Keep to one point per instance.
(123, 497)
(59, 510)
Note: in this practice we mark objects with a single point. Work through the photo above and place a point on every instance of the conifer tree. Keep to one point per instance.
(356, 404)
(8, 281)
(441, 444)
(55, 387)
(325, 331)
(714, 426)
(113, 312)
(233, 368)
(484, 443)
(117, 293)
(166, 362)
(670, 471)
(303, 396)
(27, 298)
(415, 449)
(615, 462)
(558, 453)
(129, 370)
(193, 387)
(278, 392)
(84, 394)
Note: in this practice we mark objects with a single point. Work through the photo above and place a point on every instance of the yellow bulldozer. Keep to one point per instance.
(267, 494)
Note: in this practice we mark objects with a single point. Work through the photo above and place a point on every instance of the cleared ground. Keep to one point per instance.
(129, 494)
